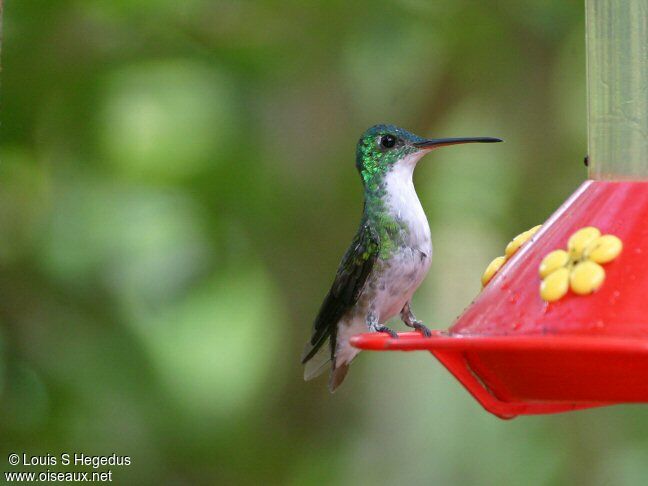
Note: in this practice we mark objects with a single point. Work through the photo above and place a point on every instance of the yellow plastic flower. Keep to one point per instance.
(513, 246)
(578, 268)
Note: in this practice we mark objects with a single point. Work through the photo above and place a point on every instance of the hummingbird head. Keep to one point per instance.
(385, 147)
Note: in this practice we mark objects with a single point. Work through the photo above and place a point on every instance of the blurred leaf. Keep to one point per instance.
(143, 243)
(165, 118)
(216, 349)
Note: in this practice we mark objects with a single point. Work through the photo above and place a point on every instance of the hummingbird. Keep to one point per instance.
(389, 256)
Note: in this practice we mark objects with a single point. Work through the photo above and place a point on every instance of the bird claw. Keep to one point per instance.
(389, 331)
(410, 321)
(423, 329)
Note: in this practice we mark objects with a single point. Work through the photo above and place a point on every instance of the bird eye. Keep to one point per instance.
(388, 141)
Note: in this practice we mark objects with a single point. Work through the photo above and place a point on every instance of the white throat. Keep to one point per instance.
(403, 202)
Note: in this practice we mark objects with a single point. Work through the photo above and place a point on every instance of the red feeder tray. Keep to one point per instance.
(517, 354)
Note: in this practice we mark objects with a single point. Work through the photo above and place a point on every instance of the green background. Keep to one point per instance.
(177, 186)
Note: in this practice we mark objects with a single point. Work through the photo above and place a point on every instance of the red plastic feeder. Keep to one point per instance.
(519, 354)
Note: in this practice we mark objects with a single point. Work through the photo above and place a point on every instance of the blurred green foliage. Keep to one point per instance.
(178, 186)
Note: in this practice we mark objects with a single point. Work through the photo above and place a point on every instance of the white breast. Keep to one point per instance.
(409, 264)
(404, 205)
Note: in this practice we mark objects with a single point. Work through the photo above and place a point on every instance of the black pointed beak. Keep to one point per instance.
(440, 142)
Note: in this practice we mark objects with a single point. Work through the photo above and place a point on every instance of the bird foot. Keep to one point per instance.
(381, 328)
(420, 327)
